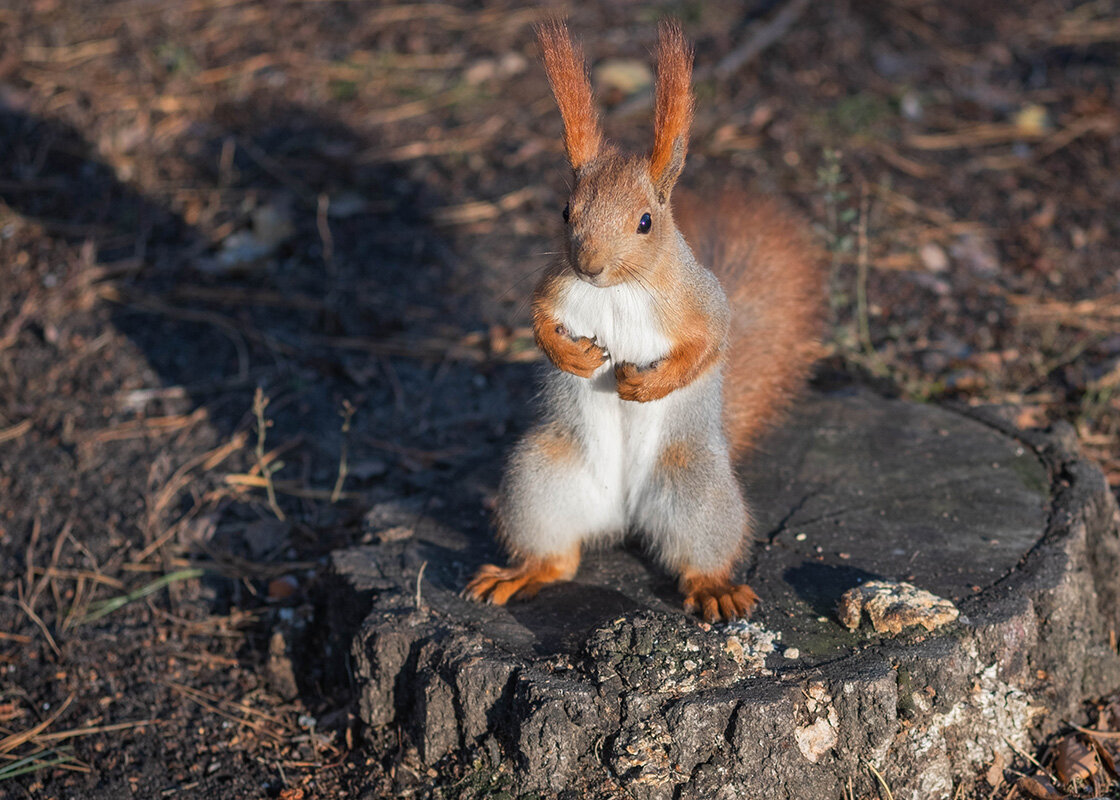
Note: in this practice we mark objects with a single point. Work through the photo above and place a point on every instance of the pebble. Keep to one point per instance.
(933, 257)
(792, 653)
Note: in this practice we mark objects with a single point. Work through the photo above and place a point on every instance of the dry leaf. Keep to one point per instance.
(1039, 787)
(1106, 757)
(1074, 760)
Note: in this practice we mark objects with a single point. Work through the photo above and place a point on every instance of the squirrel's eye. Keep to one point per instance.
(645, 223)
(567, 212)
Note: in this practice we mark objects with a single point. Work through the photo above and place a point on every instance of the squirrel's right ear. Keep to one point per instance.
(567, 75)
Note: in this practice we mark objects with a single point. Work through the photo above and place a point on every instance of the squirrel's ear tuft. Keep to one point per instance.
(567, 74)
(673, 115)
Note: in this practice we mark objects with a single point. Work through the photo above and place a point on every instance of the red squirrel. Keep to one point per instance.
(663, 377)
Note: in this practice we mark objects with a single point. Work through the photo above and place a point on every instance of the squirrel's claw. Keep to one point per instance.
(494, 585)
(520, 581)
(634, 382)
(581, 357)
(719, 599)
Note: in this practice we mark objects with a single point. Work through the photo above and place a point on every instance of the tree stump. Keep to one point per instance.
(606, 682)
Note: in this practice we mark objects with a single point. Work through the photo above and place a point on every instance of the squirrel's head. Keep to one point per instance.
(618, 218)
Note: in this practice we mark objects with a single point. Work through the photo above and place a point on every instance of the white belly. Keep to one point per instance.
(622, 438)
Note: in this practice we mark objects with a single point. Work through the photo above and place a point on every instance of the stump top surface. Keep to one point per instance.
(852, 487)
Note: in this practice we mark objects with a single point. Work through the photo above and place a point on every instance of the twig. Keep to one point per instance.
(81, 603)
(861, 275)
(482, 210)
(322, 220)
(762, 38)
(191, 695)
(975, 136)
(30, 612)
(1031, 759)
(15, 431)
(260, 403)
(73, 53)
(92, 729)
(56, 554)
(274, 454)
(152, 305)
(882, 781)
(11, 333)
(293, 488)
(343, 466)
(144, 427)
(9, 743)
(415, 150)
(1092, 732)
(74, 574)
(419, 578)
(207, 461)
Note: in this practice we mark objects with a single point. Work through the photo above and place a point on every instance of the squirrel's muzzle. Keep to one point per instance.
(589, 263)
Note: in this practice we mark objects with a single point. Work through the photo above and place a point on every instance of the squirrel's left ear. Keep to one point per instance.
(673, 114)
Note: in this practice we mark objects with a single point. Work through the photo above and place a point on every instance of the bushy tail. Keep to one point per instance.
(773, 275)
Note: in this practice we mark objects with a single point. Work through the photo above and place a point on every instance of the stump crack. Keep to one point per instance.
(781, 526)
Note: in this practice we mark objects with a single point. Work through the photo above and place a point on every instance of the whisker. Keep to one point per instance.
(531, 274)
(635, 271)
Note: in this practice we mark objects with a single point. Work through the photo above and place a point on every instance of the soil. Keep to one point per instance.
(344, 206)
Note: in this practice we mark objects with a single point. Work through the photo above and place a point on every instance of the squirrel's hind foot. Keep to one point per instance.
(716, 598)
(521, 580)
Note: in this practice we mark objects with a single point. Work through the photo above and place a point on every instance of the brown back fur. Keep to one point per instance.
(773, 275)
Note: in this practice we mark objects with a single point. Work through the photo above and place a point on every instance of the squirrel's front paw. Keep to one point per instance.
(578, 356)
(634, 382)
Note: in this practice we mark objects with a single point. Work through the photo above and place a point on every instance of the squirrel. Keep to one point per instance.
(663, 378)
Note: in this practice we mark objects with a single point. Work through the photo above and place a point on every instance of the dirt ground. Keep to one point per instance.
(345, 204)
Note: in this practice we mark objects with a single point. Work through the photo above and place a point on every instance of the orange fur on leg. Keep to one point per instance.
(715, 597)
(522, 579)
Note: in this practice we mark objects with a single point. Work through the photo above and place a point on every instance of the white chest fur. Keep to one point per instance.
(621, 319)
(623, 438)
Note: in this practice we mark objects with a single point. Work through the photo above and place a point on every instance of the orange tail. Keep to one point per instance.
(773, 275)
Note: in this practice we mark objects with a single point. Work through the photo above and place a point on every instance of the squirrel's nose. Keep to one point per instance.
(589, 263)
